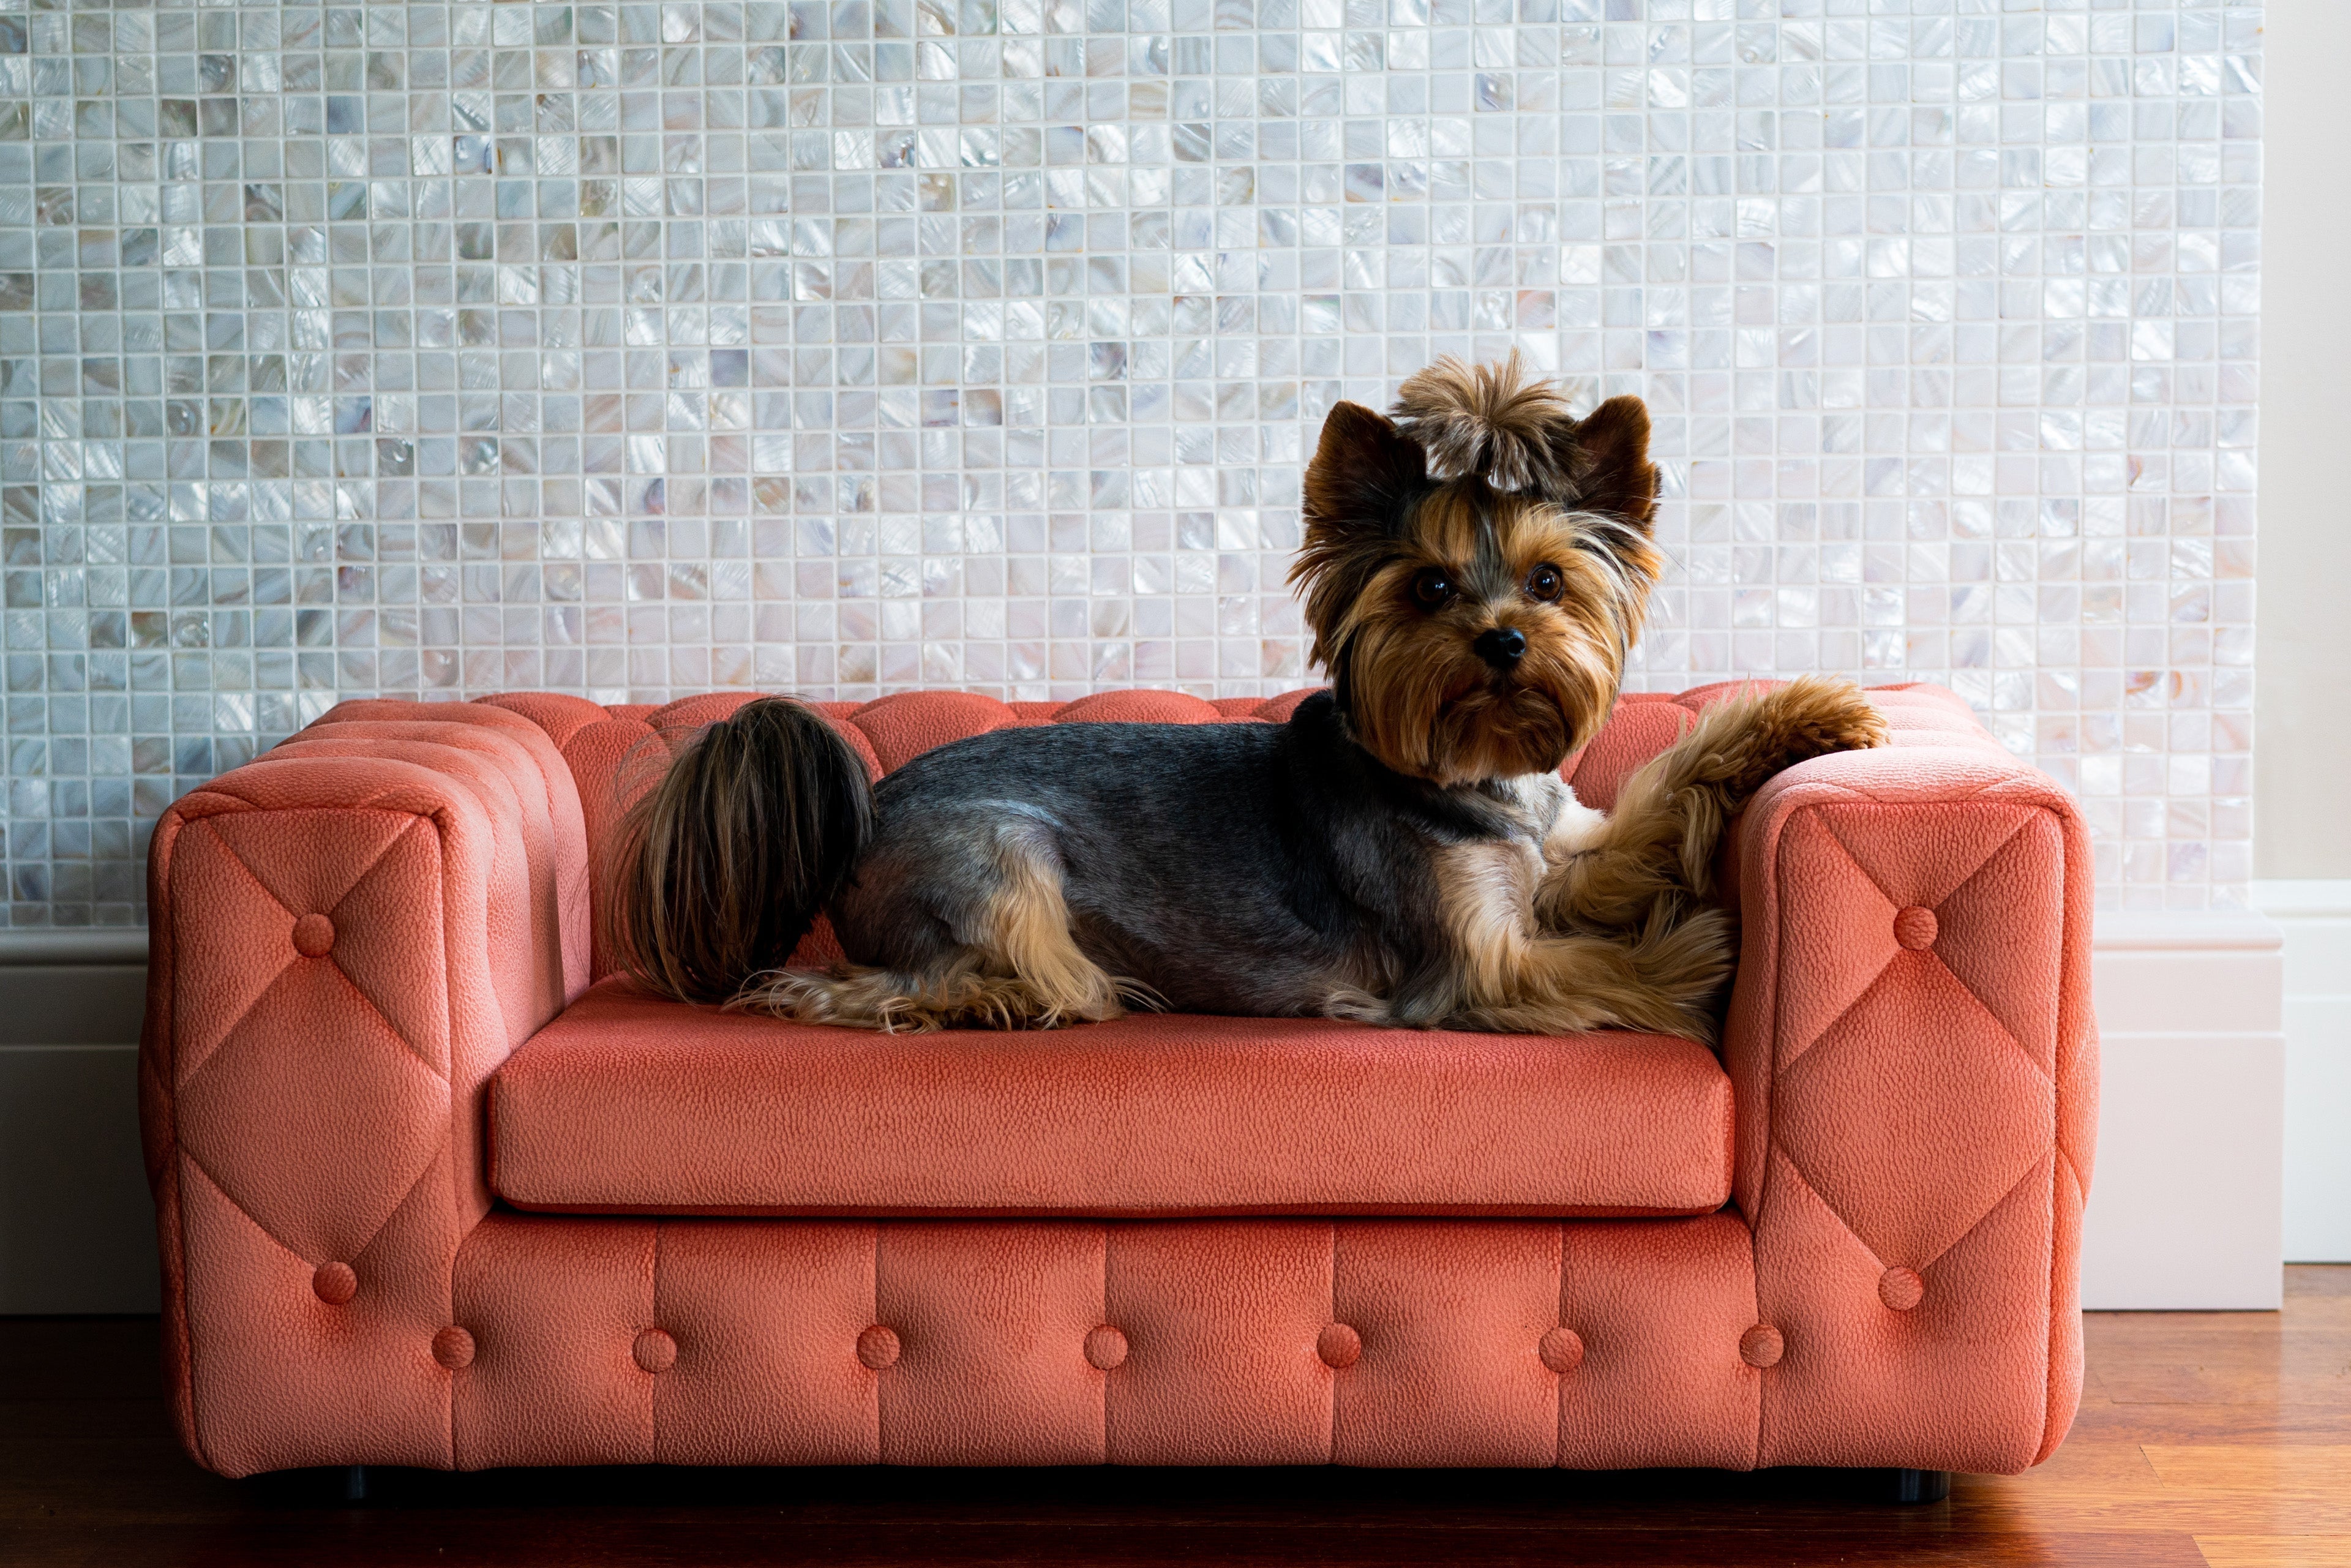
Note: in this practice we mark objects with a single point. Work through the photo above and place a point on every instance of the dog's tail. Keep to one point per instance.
(716, 875)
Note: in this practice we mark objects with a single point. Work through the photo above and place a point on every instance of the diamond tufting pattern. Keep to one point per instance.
(1911, 1048)
(308, 1111)
(353, 933)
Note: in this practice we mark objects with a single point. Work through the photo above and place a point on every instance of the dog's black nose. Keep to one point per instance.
(1502, 647)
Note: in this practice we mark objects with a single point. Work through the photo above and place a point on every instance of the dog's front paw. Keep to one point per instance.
(1816, 715)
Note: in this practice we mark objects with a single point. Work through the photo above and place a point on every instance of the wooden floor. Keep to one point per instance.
(2214, 1438)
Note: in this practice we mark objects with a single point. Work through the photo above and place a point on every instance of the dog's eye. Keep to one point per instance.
(1544, 583)
(1432, 587)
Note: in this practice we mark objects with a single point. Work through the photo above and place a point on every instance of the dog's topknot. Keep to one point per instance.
(1490, 421)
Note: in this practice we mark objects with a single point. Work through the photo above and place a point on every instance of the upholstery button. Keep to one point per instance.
(313, 935)
(1339, 1345)
(1761, 1346)
(335, 1284)
(877, 1347)
(655, 1350)
(1561, 1350)
(1915, 927)
(1105, 1348)
(1900, 1289)
(452, 1348)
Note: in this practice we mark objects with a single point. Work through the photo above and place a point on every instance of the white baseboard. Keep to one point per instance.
(2185, 1210)
(2184, 1205)
(2316, 917)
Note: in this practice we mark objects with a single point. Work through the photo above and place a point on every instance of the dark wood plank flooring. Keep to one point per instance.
(2212, 1438)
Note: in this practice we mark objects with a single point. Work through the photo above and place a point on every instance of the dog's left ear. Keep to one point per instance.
(1607, 463)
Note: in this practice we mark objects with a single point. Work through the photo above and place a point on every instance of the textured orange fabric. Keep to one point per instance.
(683, 717)
(560, 715)
(630, 1104)
(312, 1109)
(1450, 1326)
(782, 1331)
(1221, 1321)
(902, 727)
(1139, 707)
(557, 874)
(1927, 1108)
(1659, 1311)
(1635, 733)
(560, 872)
(352, 934)
(1277, 710)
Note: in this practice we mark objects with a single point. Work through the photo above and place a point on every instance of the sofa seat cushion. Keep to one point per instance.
(626, 1105)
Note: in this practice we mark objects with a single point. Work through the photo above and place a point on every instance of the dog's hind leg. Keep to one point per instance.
(1032, 968)
(1665, 979)
(1504, 975)
(1655, 852)
(1001, 956)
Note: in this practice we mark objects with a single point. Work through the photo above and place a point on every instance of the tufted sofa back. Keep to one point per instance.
(616, 753)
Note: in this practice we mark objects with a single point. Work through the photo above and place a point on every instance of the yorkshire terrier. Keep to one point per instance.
(1403, 850)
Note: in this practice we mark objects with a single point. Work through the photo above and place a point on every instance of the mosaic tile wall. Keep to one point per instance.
(643, 349)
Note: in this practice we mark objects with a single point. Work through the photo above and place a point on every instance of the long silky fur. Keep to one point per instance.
(1489, 420)
(723, 867)
(1656, 849)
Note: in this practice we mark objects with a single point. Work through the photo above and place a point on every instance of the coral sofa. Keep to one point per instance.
(433, 1191)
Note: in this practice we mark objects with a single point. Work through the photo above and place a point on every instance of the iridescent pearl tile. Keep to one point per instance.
(841, 347)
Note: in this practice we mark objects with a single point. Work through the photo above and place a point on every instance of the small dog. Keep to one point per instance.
(1402, 851)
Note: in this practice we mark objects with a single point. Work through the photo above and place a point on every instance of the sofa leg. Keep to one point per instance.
(1905, 1487)
(355, 1483)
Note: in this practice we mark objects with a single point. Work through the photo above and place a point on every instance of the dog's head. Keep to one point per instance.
(1477, 567)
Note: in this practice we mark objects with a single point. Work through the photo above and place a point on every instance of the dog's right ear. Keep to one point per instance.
(1364, 469)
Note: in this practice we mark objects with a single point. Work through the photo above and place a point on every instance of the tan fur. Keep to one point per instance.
(1378, 516)
(1656, 851)
(1031, 928)
(1026, 972)
(1609, 465)
(960, 996)
(1514, 977)
(1422, 701)
(1488, 421)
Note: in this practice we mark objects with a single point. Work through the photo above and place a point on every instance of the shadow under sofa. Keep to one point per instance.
(435, 1190)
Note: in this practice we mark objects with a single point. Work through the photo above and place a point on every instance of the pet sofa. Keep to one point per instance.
(435, 1190)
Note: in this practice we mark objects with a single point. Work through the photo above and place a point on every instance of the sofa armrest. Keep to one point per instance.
(347, 936)
(1915, 1063)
